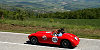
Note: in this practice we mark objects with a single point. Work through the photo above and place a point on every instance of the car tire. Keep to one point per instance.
(65, 44)
(34, 40)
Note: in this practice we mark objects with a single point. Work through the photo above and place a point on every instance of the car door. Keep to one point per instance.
(49, 38)
(45, 37)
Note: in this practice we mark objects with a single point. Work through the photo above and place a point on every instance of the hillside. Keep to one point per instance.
(20, 14)
(52, 5)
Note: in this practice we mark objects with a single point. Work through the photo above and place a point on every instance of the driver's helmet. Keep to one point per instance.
(62, 29)
(58, 31)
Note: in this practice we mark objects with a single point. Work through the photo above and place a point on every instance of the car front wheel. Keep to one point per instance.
(65, 44)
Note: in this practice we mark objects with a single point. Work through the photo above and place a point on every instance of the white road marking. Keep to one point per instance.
(15, 33)
(29, 34)
(33, 45)
(90, 39)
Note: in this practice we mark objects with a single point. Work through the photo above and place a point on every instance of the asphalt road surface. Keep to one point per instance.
(19, 41)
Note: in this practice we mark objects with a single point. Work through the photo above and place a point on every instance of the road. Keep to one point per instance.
(19, 41)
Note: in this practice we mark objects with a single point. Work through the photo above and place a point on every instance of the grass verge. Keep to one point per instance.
(84, 28)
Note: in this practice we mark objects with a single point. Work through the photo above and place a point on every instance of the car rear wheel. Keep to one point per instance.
(65, 44)
(33, 40)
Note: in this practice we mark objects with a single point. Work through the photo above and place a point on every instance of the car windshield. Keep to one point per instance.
(57, 34)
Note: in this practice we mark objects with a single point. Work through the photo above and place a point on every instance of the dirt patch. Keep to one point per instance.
(17, 28)
(87, 33)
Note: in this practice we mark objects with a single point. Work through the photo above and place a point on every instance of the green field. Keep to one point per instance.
(85, 28)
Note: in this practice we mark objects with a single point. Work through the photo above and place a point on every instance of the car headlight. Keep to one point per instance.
(75, 38)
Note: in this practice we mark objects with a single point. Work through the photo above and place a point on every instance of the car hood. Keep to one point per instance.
(69, 34)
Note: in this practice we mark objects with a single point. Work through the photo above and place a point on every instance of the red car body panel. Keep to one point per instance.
(49, 38)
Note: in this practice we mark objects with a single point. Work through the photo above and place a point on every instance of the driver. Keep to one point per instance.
(62, 30)
(59, 33)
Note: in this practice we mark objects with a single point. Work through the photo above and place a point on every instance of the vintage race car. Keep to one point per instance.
(66, 40)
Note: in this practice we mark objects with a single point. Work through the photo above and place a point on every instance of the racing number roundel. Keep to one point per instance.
(54, 39)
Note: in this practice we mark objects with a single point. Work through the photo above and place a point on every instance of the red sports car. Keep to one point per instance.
(66, 40)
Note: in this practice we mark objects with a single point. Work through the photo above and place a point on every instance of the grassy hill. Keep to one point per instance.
(53, 5)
